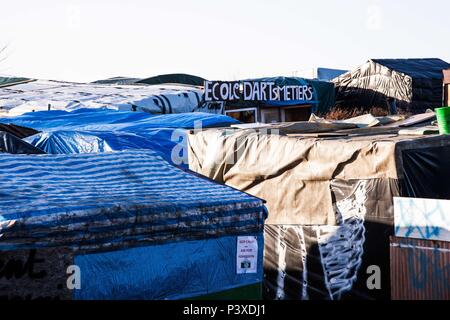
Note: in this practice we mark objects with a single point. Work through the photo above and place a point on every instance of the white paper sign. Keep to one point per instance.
(247, 254)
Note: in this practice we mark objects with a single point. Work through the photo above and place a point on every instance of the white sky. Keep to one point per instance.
(230, 39)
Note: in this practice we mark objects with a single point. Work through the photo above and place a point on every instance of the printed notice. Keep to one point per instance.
(247, 254)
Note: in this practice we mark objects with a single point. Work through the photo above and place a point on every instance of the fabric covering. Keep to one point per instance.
(322, 101)
(11, 144)
(176, 270)
(330, 200)
(18, 131)
(92, 201)
(101, 130)
(39, 95)
(408, 85)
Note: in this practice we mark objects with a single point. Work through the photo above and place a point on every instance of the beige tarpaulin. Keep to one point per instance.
(293, 174)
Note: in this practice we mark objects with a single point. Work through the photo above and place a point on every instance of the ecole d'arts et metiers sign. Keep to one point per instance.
(256, 91)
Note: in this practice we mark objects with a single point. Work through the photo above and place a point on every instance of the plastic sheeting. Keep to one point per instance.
(100, 130)
(11, 144)
(18, 131)
(104, 200)
(322, 100)
(330, 201)
(157, 99)
(68, 142)
(169, 271)
(408, 85)
(110, 120)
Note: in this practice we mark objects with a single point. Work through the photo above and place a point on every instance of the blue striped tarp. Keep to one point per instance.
(95, 201)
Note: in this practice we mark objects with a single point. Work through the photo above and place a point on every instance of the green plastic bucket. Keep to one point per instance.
(443, 118)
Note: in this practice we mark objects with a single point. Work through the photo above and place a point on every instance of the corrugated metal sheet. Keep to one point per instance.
(420, 269)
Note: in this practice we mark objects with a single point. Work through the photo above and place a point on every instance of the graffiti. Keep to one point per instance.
(422, 218)
(341, 247)
(17, 268)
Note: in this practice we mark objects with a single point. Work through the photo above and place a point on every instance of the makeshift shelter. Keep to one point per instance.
(135, 226)
(42, 95)
(329, 192)
(399, 85)
(99, 130)
(11, 144)
(174, 78)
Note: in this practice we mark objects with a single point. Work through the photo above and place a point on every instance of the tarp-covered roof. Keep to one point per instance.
(105, 199)
(18, 131)
(180, 78)
(117, 80)
(416, 68)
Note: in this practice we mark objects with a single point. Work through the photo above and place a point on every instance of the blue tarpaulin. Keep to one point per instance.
(100, 130)
(136, 226)
(112, 120)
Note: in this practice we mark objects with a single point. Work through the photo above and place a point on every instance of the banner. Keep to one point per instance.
(256, 91)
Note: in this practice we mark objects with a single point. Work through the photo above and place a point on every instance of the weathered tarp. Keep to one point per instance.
(99, 130)
(129, 220)
(57, 200)
(330, 200)
(111, 120)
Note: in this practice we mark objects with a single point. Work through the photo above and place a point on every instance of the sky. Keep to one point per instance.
(81, 40)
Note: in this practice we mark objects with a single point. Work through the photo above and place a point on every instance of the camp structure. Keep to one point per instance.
(446, 85)
(397, 85)
(174, 78)
(171, 78)
(105, 130)
(329, 190)
(11, 140)
(124, 225)
(9, 143)
(406, 85)
(43, 95)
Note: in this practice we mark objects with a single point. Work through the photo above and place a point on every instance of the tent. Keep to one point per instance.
(131, 224)
(329, 195)
(405, 85)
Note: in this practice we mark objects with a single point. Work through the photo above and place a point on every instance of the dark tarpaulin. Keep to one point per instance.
(300, 265)
(18, 131)
(408, 85)
(11, 144)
